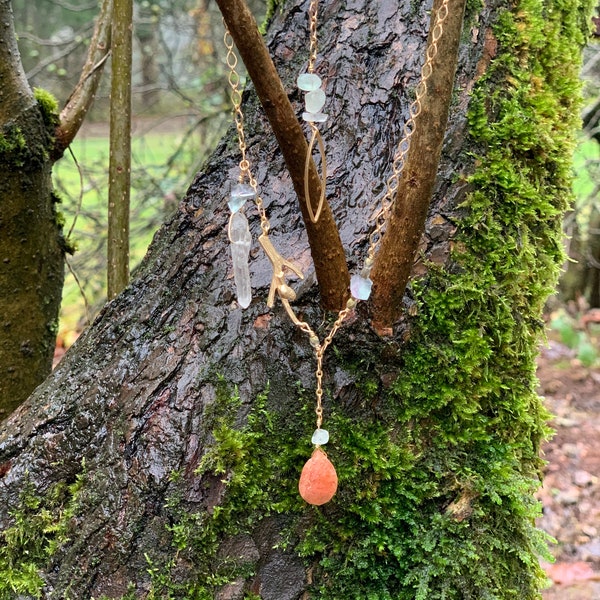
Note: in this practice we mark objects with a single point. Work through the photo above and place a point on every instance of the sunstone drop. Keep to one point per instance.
(318, 481)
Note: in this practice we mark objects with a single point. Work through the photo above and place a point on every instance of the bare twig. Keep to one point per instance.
(56, 42)
(324, 239)
(80, 101)
(80, 197)
(406, 224)
(119, 168)
(16, 93)
(73, 7)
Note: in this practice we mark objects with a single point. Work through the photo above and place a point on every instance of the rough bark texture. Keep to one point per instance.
(394, 261)
(31, 252)
(188, 420)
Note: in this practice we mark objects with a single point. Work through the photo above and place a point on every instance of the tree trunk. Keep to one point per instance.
(184, 421)
(32, 137)
(31, 244)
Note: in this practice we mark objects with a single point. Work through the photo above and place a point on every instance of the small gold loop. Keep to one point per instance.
(314, 217)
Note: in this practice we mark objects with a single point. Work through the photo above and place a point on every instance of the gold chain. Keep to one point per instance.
(389, 199)
(238, 115)
(278, 284)
(313, 13)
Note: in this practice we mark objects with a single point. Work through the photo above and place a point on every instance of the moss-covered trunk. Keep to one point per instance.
(188, 419)
(31, 254)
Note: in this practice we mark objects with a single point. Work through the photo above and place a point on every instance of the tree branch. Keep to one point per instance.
(119, 166)
(80, 101)
(394, 261)
(15, 89)
(324, 239)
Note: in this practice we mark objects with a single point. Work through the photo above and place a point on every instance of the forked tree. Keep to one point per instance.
(33, 136)
(161, 459)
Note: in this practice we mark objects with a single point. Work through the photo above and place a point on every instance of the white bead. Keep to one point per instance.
(360, 287)
(315, 101)
(320, 437)
(239, 194)
(314, 117)
(308, 82)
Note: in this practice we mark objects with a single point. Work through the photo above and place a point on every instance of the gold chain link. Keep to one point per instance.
(388, 201)
(313, 13)
(238, 116)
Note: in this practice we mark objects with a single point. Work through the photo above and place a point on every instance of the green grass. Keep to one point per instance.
(585, 162)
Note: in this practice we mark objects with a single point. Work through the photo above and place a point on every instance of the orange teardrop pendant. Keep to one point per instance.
(318, 480)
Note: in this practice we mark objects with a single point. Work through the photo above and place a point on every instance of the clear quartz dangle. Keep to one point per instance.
(240, 193)
(241, 240)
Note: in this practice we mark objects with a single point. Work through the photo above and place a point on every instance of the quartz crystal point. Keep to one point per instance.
(318, 480)
(239, 194)
(241, 240)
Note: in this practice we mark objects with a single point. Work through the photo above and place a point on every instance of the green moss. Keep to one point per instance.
(49, 107)
(271, 8)
(13, 146)
(68, 245)
(40, 526)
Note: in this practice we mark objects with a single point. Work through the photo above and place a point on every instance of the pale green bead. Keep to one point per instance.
(308, 82)
(315, 101)
(320, 437)
(360, 287)
(240, 193)
(314, 117)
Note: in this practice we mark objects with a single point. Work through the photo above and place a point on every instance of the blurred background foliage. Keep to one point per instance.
(574, 314)
(180, 106)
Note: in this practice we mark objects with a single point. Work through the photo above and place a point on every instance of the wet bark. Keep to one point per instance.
(138, 396)
(31, 252)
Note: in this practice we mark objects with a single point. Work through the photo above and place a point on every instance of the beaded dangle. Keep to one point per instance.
(314, 100)
(318, 480)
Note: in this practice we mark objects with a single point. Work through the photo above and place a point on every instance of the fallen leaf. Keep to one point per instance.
(570, 573)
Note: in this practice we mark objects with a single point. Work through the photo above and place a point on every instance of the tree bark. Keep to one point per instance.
(404, 228)
(31, 243)
(189, 419)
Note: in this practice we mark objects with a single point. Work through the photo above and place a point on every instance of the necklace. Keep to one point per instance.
(318, 480)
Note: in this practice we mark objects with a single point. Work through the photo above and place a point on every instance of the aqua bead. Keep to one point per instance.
(308, 82)
(240, 193)
(315, 101)
(314, 117)
(360, 287)
(320, 437)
